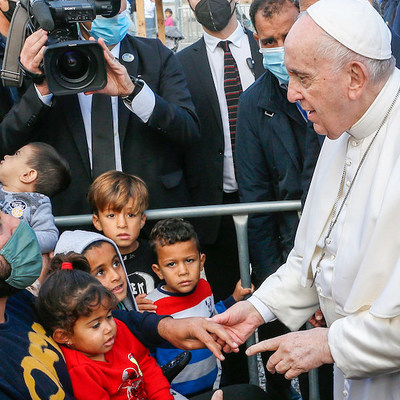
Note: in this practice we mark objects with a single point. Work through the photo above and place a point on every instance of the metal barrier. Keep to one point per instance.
(240, 214)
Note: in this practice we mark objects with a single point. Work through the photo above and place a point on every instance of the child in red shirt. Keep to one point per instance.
(104, 359)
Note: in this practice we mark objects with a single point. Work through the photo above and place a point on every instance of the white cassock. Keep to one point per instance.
(358, 280)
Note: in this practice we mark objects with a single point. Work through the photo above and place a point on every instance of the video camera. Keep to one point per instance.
(70, 65)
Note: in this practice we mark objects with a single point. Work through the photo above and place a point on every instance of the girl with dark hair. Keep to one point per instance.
(104, 359)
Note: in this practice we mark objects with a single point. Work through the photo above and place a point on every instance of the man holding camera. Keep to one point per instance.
(152, 118)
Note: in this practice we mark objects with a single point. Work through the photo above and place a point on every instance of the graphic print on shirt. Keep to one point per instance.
(41, 360)
(132, 381)
(141, 282)
(17, 208)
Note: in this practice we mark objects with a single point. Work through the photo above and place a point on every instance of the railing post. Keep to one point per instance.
(313, 383)
(240, 222)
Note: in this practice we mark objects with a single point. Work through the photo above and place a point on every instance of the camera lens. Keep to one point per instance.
(73, 65)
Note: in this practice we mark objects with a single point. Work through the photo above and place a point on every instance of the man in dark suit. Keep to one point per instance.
(203, 63)
(152, 130)
(269, 157)
(217, 183)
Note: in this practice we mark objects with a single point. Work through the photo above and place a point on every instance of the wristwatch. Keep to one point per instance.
(139, 83)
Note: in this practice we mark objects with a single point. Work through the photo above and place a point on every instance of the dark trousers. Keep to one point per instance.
(278, 387)
(222, 271)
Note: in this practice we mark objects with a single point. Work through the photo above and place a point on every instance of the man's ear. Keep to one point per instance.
(96, 222)
(143, 220)
(357, 79)
(61, 336)
(29, 176)
(157, 271)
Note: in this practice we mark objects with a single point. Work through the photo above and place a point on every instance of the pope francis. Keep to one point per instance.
(346, 257)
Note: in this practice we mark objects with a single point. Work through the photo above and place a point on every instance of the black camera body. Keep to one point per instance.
(72, 65)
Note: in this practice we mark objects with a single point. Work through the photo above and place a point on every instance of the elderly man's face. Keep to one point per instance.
(320, 91)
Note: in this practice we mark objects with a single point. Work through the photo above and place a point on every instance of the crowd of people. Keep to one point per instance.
(303, 107)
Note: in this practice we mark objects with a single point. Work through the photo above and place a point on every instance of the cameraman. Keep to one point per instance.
(151, 131)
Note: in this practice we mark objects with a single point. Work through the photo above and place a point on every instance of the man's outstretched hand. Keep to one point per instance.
(296, 352)
(196, 333)
(240, 321)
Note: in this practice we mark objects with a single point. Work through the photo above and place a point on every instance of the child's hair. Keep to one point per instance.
(67, 295)
(53, 172)
(96, 244)
(78, 261)
(170, 231)
(168, 10)
(113, 189)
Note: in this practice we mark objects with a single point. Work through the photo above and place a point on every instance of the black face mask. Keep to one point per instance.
(11, 8)
(214, 15)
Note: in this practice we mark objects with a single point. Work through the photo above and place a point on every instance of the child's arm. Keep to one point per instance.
(238, 294)
(145, 304)
(43, 224)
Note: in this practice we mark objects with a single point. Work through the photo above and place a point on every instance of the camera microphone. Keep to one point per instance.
(42, 13)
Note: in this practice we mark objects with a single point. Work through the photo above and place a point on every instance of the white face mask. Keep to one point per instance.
(273, 61)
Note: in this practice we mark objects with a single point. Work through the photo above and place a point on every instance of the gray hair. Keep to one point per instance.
(329, 48)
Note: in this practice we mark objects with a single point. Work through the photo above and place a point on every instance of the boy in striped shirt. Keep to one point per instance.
(184, 294)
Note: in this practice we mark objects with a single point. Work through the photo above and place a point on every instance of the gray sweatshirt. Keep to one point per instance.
(35, 210)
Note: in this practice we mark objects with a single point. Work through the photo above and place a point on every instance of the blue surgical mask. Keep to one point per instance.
(111, 30)
(273, 61)
(23, 253)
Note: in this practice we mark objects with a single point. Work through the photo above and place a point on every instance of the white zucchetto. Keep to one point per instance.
(355, 24)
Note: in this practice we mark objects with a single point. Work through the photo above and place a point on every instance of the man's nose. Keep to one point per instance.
(293, 94)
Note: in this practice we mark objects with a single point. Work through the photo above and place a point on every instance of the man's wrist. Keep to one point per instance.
(162, 327)
(138, 86)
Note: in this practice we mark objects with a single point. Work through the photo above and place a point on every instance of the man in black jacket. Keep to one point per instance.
(203, 63)
(152, 127)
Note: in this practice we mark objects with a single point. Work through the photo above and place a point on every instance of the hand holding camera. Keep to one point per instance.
(70, 65)
(32, 56)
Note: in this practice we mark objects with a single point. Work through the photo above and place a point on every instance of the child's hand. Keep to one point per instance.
(240, 292)
(318, 319)
(145, 304)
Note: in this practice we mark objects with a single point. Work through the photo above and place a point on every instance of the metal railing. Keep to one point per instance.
(240, 214)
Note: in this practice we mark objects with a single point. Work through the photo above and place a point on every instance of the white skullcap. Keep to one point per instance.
(355, 24)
